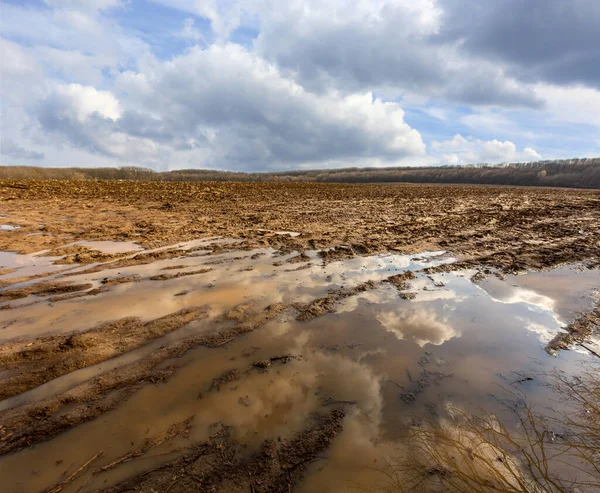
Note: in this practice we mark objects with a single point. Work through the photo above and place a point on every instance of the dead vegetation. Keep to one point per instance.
(219, 464)
(544, 453)
(235, 374)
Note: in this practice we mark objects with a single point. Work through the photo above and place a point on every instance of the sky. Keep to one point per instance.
(266, 85)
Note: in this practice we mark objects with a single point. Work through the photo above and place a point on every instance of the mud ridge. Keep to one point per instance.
(577, 332)
(42, 420)
(42, 289)
(219, 465)
(28, 364)
(326, 304)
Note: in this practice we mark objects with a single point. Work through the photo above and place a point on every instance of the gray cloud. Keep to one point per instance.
(397, 49)
(82, 82)
(9, 147)
(552, 41)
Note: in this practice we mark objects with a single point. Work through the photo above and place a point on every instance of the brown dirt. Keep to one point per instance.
(219, 464)
(78, 254)
(400, 281)
(42, 289)
(166, 277)
(28, 364)
(577, 332)
(326, 304)
(492, 229)
(505, 227)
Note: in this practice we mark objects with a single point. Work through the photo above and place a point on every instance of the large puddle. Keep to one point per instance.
(391, 355)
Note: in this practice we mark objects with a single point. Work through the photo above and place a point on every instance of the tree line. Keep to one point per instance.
(576, 173)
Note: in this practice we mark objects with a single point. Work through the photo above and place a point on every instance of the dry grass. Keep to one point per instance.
(544, 454)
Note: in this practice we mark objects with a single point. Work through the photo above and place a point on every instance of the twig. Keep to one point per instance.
(124, 458)
(223, 343)
(331, 403)
(70, 479)
(589, 349)
(526, 379)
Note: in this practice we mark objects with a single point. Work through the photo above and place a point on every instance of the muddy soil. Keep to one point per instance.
(219, 465)
(337, 314)
(504, 227)
(29, 424)
(578, 332)
(42, 289)
(30, 363)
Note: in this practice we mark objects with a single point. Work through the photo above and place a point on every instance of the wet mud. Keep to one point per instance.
(30, 363)
(507, 228)
(232, 354)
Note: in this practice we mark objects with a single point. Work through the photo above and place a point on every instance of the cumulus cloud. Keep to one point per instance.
(88, 118)
(390, 45)
(10, 148)
(461, 150)
(234, 108)
(419, 325)
(316, 83)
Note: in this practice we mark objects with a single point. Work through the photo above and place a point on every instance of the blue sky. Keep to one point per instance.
(269, 85)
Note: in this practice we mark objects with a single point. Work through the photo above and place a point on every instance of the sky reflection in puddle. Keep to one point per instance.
(371, 349)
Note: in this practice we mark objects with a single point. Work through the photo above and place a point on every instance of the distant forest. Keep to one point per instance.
(576, 173)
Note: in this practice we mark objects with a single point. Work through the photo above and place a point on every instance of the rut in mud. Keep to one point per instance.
(269, 360)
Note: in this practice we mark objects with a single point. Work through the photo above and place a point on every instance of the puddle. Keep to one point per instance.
(292, 234)
(28, 265)
(111, 247)
(371, 350)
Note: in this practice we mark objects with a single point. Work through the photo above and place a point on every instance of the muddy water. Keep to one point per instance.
(463, 340)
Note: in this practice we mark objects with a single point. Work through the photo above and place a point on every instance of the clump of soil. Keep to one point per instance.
(235, 374)
(79, 254)
(577, 332)
(341, 252)
(166, 277)
(400, 281)
(321, 306)
(443, 268)
(219, 464)
(42, 289)
(302, 257)
(139, 259)
(29, 364)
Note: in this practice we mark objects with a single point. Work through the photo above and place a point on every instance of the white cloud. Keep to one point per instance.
(419, 325)
(232, 108)
(80, 102)
(85, 117)
(190, 32)
(301, 93)
(461, 150)
(574, 104)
